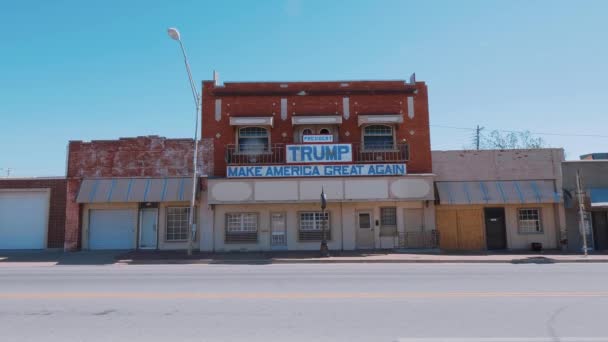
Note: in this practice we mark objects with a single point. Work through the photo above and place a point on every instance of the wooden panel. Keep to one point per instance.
(447, 225)
(470, 229)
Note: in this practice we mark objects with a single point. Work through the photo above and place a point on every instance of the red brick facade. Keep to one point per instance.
(55, 236)
(150, 156)
(317, 98)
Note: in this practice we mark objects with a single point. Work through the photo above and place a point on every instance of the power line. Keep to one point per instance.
(536, 133)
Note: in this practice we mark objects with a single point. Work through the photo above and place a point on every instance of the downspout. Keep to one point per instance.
(341, 227)
(212, 207)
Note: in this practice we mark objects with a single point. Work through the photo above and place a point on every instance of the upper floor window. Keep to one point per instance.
(253, 139)
(324, 131)
(307, 131)
(378, 137)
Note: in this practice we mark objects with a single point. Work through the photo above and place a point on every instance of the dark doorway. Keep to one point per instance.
(600, 230)
(496, 232)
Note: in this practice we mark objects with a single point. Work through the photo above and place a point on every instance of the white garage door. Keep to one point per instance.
(112, 229)
(23, 219)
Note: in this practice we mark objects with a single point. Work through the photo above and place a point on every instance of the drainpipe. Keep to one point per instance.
(341, 227)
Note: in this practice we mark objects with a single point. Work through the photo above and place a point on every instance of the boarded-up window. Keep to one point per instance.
(241, 228)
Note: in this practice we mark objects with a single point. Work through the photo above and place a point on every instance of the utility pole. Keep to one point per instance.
(581, 210)
(478, 136)
(8, 171)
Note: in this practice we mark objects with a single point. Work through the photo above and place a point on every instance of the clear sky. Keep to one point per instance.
(83, 70)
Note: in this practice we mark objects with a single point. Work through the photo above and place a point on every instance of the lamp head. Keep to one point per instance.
(173, 33)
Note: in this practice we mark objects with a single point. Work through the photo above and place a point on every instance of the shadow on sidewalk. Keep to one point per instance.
(59, 257)
(231, 258)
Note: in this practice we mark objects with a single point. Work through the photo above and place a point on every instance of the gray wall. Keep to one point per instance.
(594, 175)
(498, 164)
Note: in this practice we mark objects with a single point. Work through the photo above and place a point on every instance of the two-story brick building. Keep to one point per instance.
(276, 145)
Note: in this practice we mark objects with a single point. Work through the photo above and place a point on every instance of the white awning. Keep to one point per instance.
(498, 192)
(316, 120)
(380, 119)
(121, 190)
(252, 120)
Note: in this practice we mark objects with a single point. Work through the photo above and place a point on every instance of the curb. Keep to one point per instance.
(330, 261)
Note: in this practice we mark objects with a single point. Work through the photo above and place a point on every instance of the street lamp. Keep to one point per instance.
(324, 250)
(174, 34)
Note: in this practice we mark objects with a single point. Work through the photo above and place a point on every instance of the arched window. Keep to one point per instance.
(324, 131)
(253, 140)
(307, 131)
(378, 137)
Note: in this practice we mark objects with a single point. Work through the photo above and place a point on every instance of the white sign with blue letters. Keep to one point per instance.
(317, 138)
(319, 153)
(338, 170)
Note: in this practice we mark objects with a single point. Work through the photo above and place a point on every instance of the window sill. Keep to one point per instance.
(530, 233)
(252, 153)
(392, 150)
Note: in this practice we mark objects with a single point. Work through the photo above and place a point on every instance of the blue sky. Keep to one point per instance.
(83, 70)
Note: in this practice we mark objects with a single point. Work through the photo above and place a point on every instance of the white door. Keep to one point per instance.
(147, 228)
(23, 219)
(365, 230)
(278, 231)
(112, 229)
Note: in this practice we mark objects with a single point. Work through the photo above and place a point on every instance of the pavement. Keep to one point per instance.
(305, 302)
(50, 258)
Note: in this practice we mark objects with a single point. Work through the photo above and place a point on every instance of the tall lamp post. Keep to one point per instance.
(324, 250)
(174, 34)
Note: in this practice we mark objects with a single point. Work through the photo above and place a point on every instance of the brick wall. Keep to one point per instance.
(318, 98)
(149, 156)
(57, 211)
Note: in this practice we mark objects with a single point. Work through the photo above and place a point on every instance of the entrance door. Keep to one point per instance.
(496, 232)
(600, 230)
(278, 231)
(148, 219)
(365, 230)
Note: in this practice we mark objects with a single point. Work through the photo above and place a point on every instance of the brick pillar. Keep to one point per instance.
(72, 216)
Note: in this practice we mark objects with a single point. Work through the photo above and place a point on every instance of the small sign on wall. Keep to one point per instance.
(317, 138)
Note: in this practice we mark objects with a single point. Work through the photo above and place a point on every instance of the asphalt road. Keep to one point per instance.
(328, 302)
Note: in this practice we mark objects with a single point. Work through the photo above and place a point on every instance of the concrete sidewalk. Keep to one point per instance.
(51, 258)
(393, 256)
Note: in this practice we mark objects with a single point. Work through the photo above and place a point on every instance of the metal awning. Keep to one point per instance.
(599, 197)
(380, 119)
(121, 190)
(316, 120)
(251, 120)
(498, 192)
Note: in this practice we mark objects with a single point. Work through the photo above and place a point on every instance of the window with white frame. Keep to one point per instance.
(253, 140)
(177, 223)
(241, 228)
(388, 221)
(529, 220)
(378, 137)
(311, 225)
